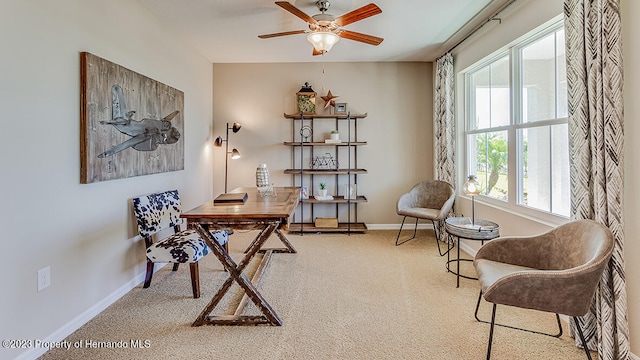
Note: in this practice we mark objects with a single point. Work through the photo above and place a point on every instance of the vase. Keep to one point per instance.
(262, 175)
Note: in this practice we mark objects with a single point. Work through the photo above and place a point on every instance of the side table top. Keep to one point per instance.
(480, 229)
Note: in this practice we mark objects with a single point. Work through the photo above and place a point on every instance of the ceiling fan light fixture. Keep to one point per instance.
(322, 41)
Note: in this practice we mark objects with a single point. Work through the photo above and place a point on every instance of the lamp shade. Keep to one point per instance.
(235, 154)
(472, 186)
(218, 142)
(323, 40)
(236, 127)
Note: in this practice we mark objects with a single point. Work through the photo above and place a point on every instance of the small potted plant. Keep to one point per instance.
(323, 190)
(335, 135)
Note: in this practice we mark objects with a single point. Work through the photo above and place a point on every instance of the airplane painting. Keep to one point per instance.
(146, 134)
(130, 125)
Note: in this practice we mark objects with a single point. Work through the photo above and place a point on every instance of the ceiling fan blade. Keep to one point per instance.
(295, 11)
(358, 14)
(356, 36)
(294, 32)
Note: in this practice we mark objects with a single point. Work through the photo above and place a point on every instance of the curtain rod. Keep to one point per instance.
(491, 18)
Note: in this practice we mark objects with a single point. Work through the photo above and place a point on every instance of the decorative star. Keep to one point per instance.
(329, 99)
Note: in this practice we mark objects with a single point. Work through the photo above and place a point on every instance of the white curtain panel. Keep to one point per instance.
(594, 75)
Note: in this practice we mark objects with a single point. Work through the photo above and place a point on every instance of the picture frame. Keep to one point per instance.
(341, 108)
(130, 124)
(304, 193)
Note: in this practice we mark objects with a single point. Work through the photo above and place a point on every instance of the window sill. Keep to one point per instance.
(527, 213)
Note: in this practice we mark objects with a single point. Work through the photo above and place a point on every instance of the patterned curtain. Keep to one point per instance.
(443, 121)
(444, 129)
(594, 75)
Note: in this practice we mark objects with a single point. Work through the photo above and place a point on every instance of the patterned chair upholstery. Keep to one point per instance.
(157, 212)
(429, 200)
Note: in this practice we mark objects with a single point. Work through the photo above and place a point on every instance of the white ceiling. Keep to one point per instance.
(226, 31)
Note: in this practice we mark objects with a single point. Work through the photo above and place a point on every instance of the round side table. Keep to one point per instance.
(463, 227)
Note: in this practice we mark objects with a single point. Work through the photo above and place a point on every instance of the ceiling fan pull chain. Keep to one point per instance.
(322, 72)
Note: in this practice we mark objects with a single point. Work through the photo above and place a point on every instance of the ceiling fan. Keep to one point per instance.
(325, 30)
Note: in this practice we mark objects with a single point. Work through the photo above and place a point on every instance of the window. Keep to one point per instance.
(517, 141)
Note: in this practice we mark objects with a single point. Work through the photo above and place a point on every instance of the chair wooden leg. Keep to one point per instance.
(175, 267)
(195, 279)
(584, 342)
(149, 275)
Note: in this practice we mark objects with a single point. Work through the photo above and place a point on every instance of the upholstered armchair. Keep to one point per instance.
(429, 200)
(557, 271)
(157, 212)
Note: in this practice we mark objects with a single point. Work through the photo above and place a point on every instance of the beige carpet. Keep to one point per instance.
(340, 297)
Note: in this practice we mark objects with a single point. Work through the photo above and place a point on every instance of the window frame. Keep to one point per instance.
(514, 202)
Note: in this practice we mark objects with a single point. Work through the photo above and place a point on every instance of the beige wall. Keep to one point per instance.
(519, 19)
(398, 128)
(83, 232)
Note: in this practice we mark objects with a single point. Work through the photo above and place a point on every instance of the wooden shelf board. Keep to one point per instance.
(322, 143)
(324, 171)
(325, 116)
(342, 227)
(336, 200)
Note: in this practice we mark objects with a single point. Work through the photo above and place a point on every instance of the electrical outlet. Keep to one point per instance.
(44, 278)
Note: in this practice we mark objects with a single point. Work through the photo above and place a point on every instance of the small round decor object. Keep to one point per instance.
(262, 175)
(306, 133)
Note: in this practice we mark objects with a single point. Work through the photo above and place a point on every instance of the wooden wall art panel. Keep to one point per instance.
(131, 125)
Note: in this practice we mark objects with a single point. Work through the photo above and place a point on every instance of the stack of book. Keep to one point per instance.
(231, 198)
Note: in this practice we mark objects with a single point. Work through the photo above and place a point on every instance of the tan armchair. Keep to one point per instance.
(557, 271)
(429, 200)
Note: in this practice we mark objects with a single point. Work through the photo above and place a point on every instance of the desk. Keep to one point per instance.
(461, 227)
(269, 215)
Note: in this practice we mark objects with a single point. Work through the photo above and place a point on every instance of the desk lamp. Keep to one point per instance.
(235, 154)
(472, 188)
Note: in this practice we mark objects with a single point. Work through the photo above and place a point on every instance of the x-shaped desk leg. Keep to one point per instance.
(287, 249)
(236, 274)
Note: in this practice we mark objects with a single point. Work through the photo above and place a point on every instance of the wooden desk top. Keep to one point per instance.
(255, 207)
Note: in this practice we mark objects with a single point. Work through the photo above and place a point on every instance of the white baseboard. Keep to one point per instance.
(407, 226)
(78, 321)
